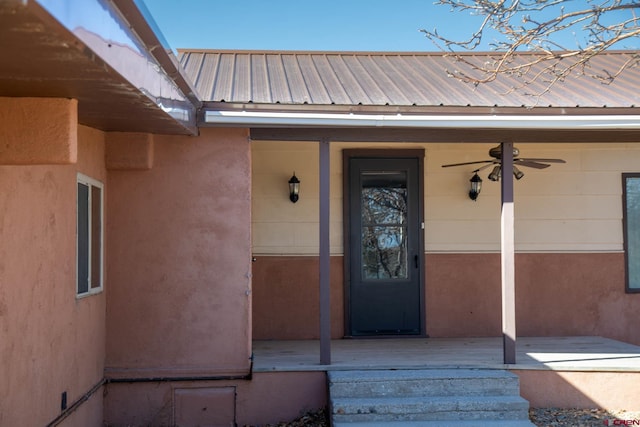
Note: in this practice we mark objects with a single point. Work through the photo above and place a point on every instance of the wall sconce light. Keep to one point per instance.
(476, 186)
(294, 188)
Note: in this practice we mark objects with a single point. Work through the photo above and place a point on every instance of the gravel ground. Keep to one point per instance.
(542, 417)
(554, 417)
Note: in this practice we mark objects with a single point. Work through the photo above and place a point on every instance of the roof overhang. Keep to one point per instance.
(480, 126)
(105, 54)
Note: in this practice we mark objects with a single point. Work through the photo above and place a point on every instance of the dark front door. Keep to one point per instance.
(384, 294)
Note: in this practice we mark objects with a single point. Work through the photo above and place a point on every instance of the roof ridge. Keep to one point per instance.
(376, 53)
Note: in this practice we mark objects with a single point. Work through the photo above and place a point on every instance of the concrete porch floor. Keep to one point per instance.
(532, 353)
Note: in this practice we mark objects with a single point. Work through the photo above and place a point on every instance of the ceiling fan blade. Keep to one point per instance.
(486, 166)
(468, 163)
(530, 164)
(544, 160)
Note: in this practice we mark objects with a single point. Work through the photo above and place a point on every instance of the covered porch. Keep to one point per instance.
(582, 353)
(567, 372)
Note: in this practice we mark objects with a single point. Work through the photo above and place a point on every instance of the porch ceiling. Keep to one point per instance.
(444, 135)
(44, 56)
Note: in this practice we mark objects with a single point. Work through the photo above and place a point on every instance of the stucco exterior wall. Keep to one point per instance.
(179, 301)
(38, 131)
(268, 398)
(588, 390)
(50, 341)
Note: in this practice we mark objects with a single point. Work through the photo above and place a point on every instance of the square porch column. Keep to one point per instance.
(507, 252)
(325, 274)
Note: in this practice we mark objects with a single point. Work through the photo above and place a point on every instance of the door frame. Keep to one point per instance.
(347, 155)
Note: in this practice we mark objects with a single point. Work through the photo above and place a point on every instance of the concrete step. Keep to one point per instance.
(427, 398)
(433, 408)
(439, 423)
(427, 382)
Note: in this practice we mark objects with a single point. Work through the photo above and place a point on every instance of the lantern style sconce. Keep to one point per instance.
(476, 186)
(294, 188)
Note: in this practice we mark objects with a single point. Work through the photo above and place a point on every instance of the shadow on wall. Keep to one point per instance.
(267, 398)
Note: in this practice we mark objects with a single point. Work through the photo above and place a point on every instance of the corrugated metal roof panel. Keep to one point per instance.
(318, 93)
(260, 87)
(396, 79)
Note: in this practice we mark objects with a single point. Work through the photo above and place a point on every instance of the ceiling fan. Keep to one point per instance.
(496, 153)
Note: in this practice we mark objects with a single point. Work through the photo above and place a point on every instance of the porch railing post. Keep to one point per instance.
(325, 284)
(508, 256)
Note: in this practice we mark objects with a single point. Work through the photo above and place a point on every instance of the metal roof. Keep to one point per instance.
(393, 79)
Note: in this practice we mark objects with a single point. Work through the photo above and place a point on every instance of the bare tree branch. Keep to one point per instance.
(538, 27)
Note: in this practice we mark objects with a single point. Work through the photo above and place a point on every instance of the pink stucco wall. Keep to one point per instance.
(572, 389)
(557, 294)
(38, 131)
(268, 398)
(50, 342)
(179, 300)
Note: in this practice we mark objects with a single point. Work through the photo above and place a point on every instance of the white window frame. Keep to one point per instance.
(90, 183)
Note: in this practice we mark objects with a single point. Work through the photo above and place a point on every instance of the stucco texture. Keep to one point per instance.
(38, 131)
(570, 389)
(179, 301)
(50, 342)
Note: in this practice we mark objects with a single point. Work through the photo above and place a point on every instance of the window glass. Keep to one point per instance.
(83, 238)
(631, 200)
(89, 236)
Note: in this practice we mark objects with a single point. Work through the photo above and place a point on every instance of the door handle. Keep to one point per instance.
(415, 258)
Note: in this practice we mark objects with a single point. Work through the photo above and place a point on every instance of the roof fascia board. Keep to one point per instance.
(560, 122)
(101, 27)
(427, 110)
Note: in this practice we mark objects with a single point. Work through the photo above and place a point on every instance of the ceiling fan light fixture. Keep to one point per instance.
(517, 173)
(495, 173)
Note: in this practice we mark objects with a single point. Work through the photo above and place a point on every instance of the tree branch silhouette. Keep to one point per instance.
(535, 26)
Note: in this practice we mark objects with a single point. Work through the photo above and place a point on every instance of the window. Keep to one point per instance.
(631, 228)
(89, 235)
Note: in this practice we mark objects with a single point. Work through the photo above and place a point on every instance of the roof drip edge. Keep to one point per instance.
(565, 122)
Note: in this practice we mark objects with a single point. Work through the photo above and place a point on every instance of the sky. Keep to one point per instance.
(328, 25)
(345, 25)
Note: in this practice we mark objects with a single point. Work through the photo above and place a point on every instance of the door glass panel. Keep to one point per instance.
(384, 229)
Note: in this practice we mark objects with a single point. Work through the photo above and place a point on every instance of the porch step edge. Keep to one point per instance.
(430, 409)
(426, 387)
(438, 423)
(416, 374)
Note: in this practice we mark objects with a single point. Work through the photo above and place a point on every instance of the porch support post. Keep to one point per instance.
(325, 283)
(508, 257)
